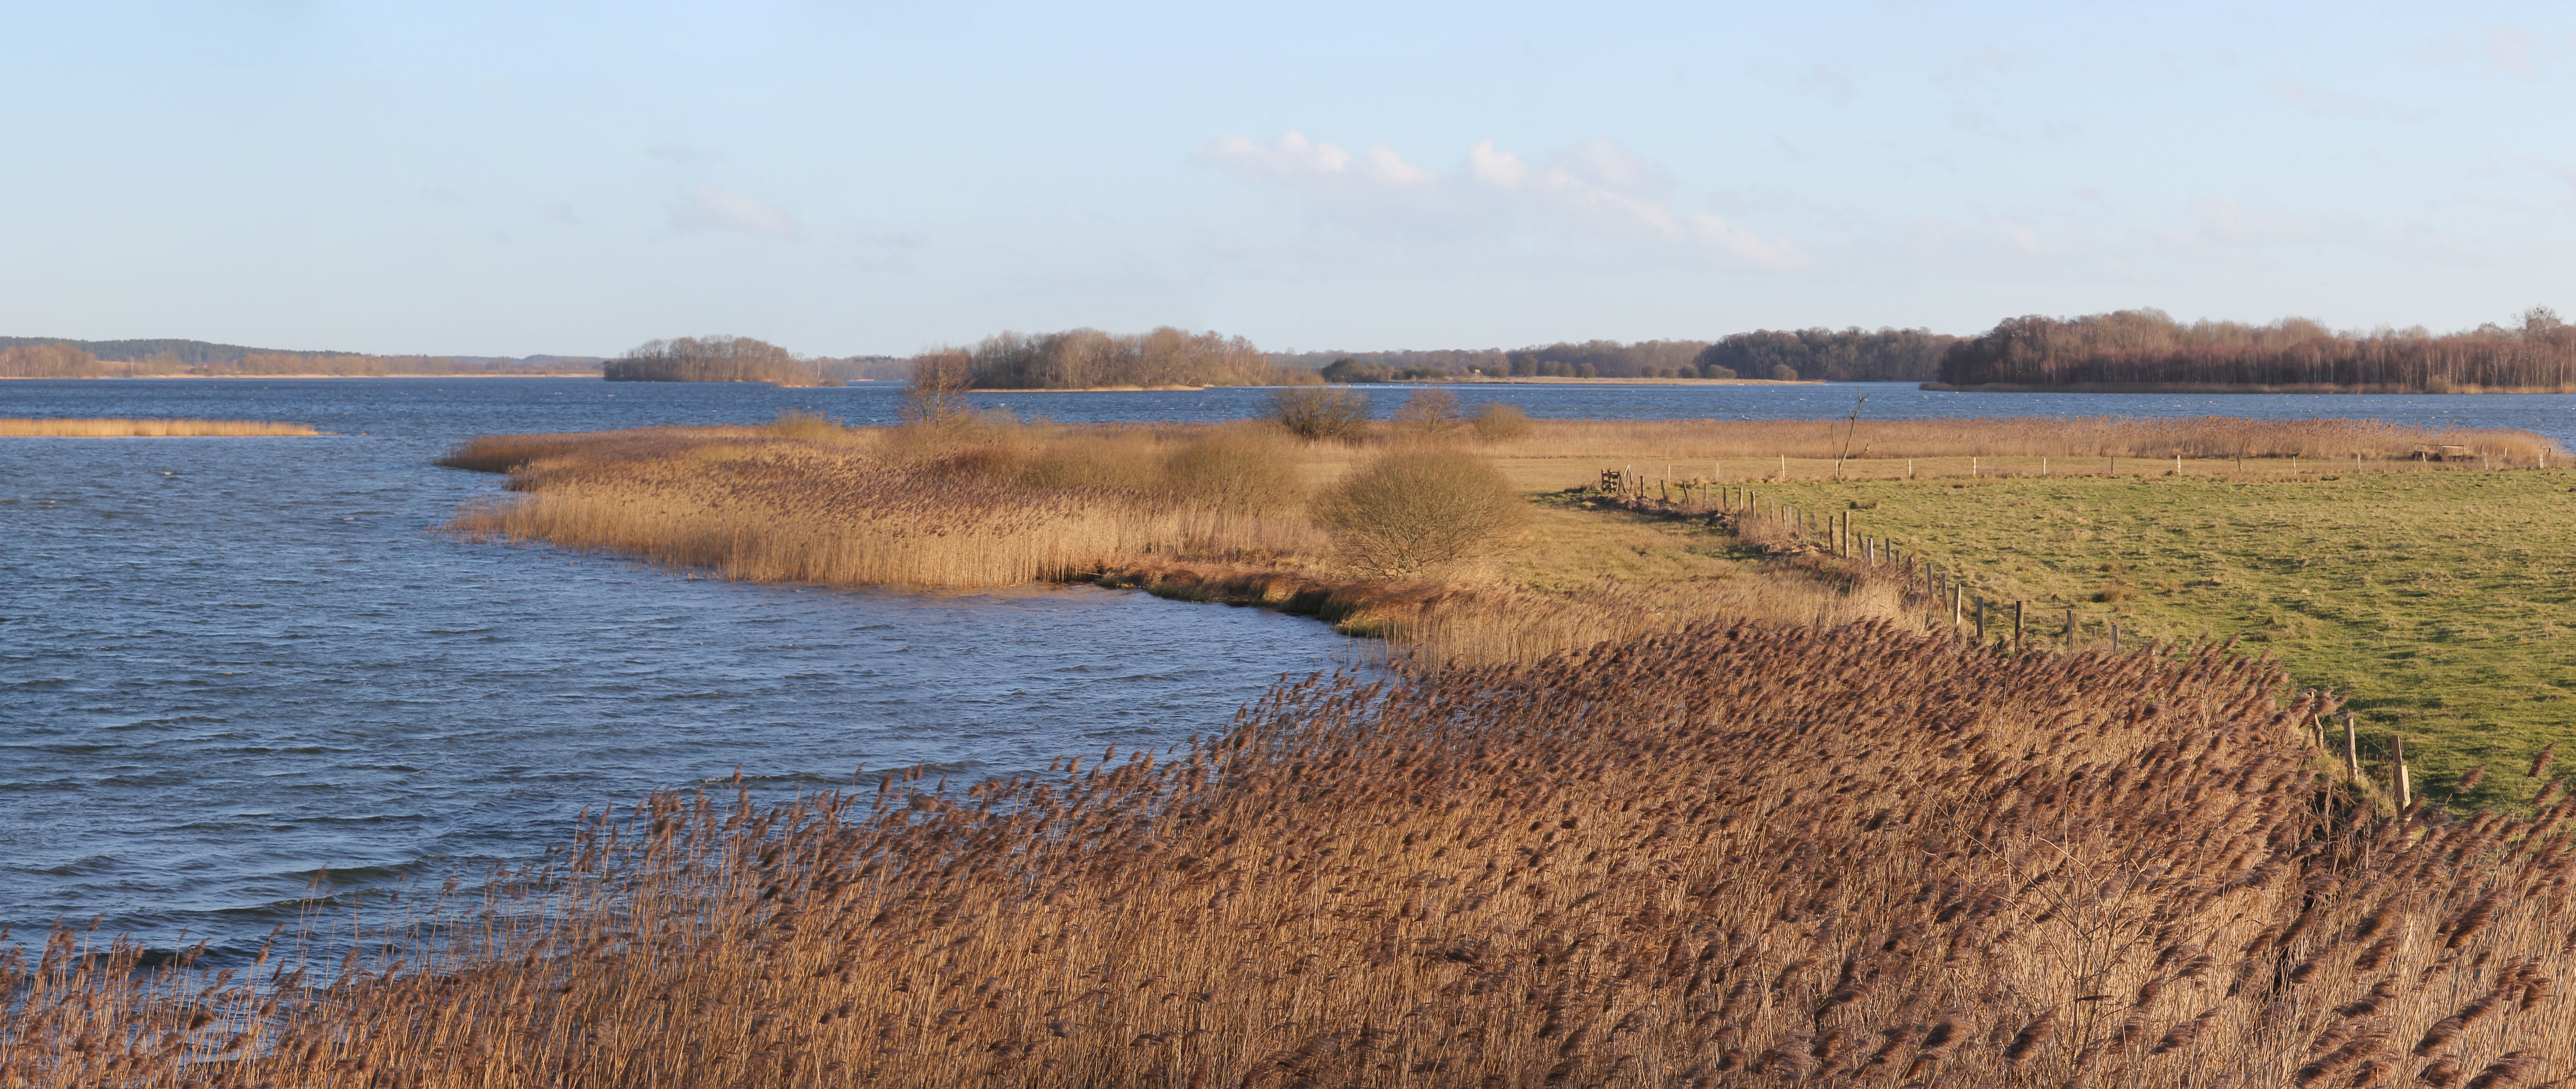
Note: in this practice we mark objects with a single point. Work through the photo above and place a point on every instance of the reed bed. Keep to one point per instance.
(849, 511)
(121, 428)
(1726, 856)
(2095, 437)
(1207, 512)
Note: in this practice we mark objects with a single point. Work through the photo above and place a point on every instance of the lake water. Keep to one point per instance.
(227, 665)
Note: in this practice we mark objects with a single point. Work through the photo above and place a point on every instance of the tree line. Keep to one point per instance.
(1817, 354)
(63, 360)
(2148, 347)
(1090, 359)
(715, 359)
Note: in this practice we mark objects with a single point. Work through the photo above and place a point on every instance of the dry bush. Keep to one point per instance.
(1237, 468)
(2151, 437)
(1498, 421)
(116, 428)
(1732, 856)
(1415, 508)
(1318, 413)
(1429, 413)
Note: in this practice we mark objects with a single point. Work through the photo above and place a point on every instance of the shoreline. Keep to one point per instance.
(2370, 389)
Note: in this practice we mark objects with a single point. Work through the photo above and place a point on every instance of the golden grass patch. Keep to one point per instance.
(120, 428)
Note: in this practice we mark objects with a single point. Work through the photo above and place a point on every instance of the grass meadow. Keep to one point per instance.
(2437, 599)
(1723, 856)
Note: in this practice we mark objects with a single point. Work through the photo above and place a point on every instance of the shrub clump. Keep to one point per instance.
(1416, 508)
(1316, 414)
(1496, 422)
(1234, 468)
(1429, 414)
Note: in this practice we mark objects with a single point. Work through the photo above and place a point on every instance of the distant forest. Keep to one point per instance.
(29, 357)
(868, 368)
(185, 353)
(2147, 347)
(716, 359)
(1089, 359)
(1845, 355)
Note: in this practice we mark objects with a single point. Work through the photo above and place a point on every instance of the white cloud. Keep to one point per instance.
(1597, 191)
(708, 206)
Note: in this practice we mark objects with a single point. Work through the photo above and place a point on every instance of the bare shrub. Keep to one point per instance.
(1498, 421)
(1416, 508)
(1318, 413)
(936, 397)
(1429, 413)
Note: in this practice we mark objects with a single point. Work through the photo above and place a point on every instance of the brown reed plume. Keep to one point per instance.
(1728, 856)
(128, 428)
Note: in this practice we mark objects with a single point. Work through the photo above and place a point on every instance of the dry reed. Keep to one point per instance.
(1730, 856)
(118, 428)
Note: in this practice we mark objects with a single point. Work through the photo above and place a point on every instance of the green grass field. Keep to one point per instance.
(2438, 601)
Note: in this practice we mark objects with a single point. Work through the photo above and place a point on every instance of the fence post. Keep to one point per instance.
(2070, 627)
(2017, 626)
(2405, 790)
(2351, 748)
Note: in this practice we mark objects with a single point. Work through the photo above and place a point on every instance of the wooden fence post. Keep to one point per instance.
(2017, 626)
(2351, 748)
(2405, 789)
(1981, 621)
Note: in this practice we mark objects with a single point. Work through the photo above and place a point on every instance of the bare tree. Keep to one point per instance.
(937, 395)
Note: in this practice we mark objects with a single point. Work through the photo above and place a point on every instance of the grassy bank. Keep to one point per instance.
(1723, 857)
(1202, 512)
(1226, 512)
(2437, 599)
(115, 428)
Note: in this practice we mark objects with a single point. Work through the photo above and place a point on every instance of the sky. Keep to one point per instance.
(842, 179)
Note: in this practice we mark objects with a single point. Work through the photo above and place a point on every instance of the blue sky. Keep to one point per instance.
(844, 179)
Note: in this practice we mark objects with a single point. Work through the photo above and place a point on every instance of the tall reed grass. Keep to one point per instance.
(1727, 856)
(122, 428)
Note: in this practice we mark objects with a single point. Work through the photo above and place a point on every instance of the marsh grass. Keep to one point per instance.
(1205, 512)
(1230, 512)
(125, 428)
(1726, 856)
